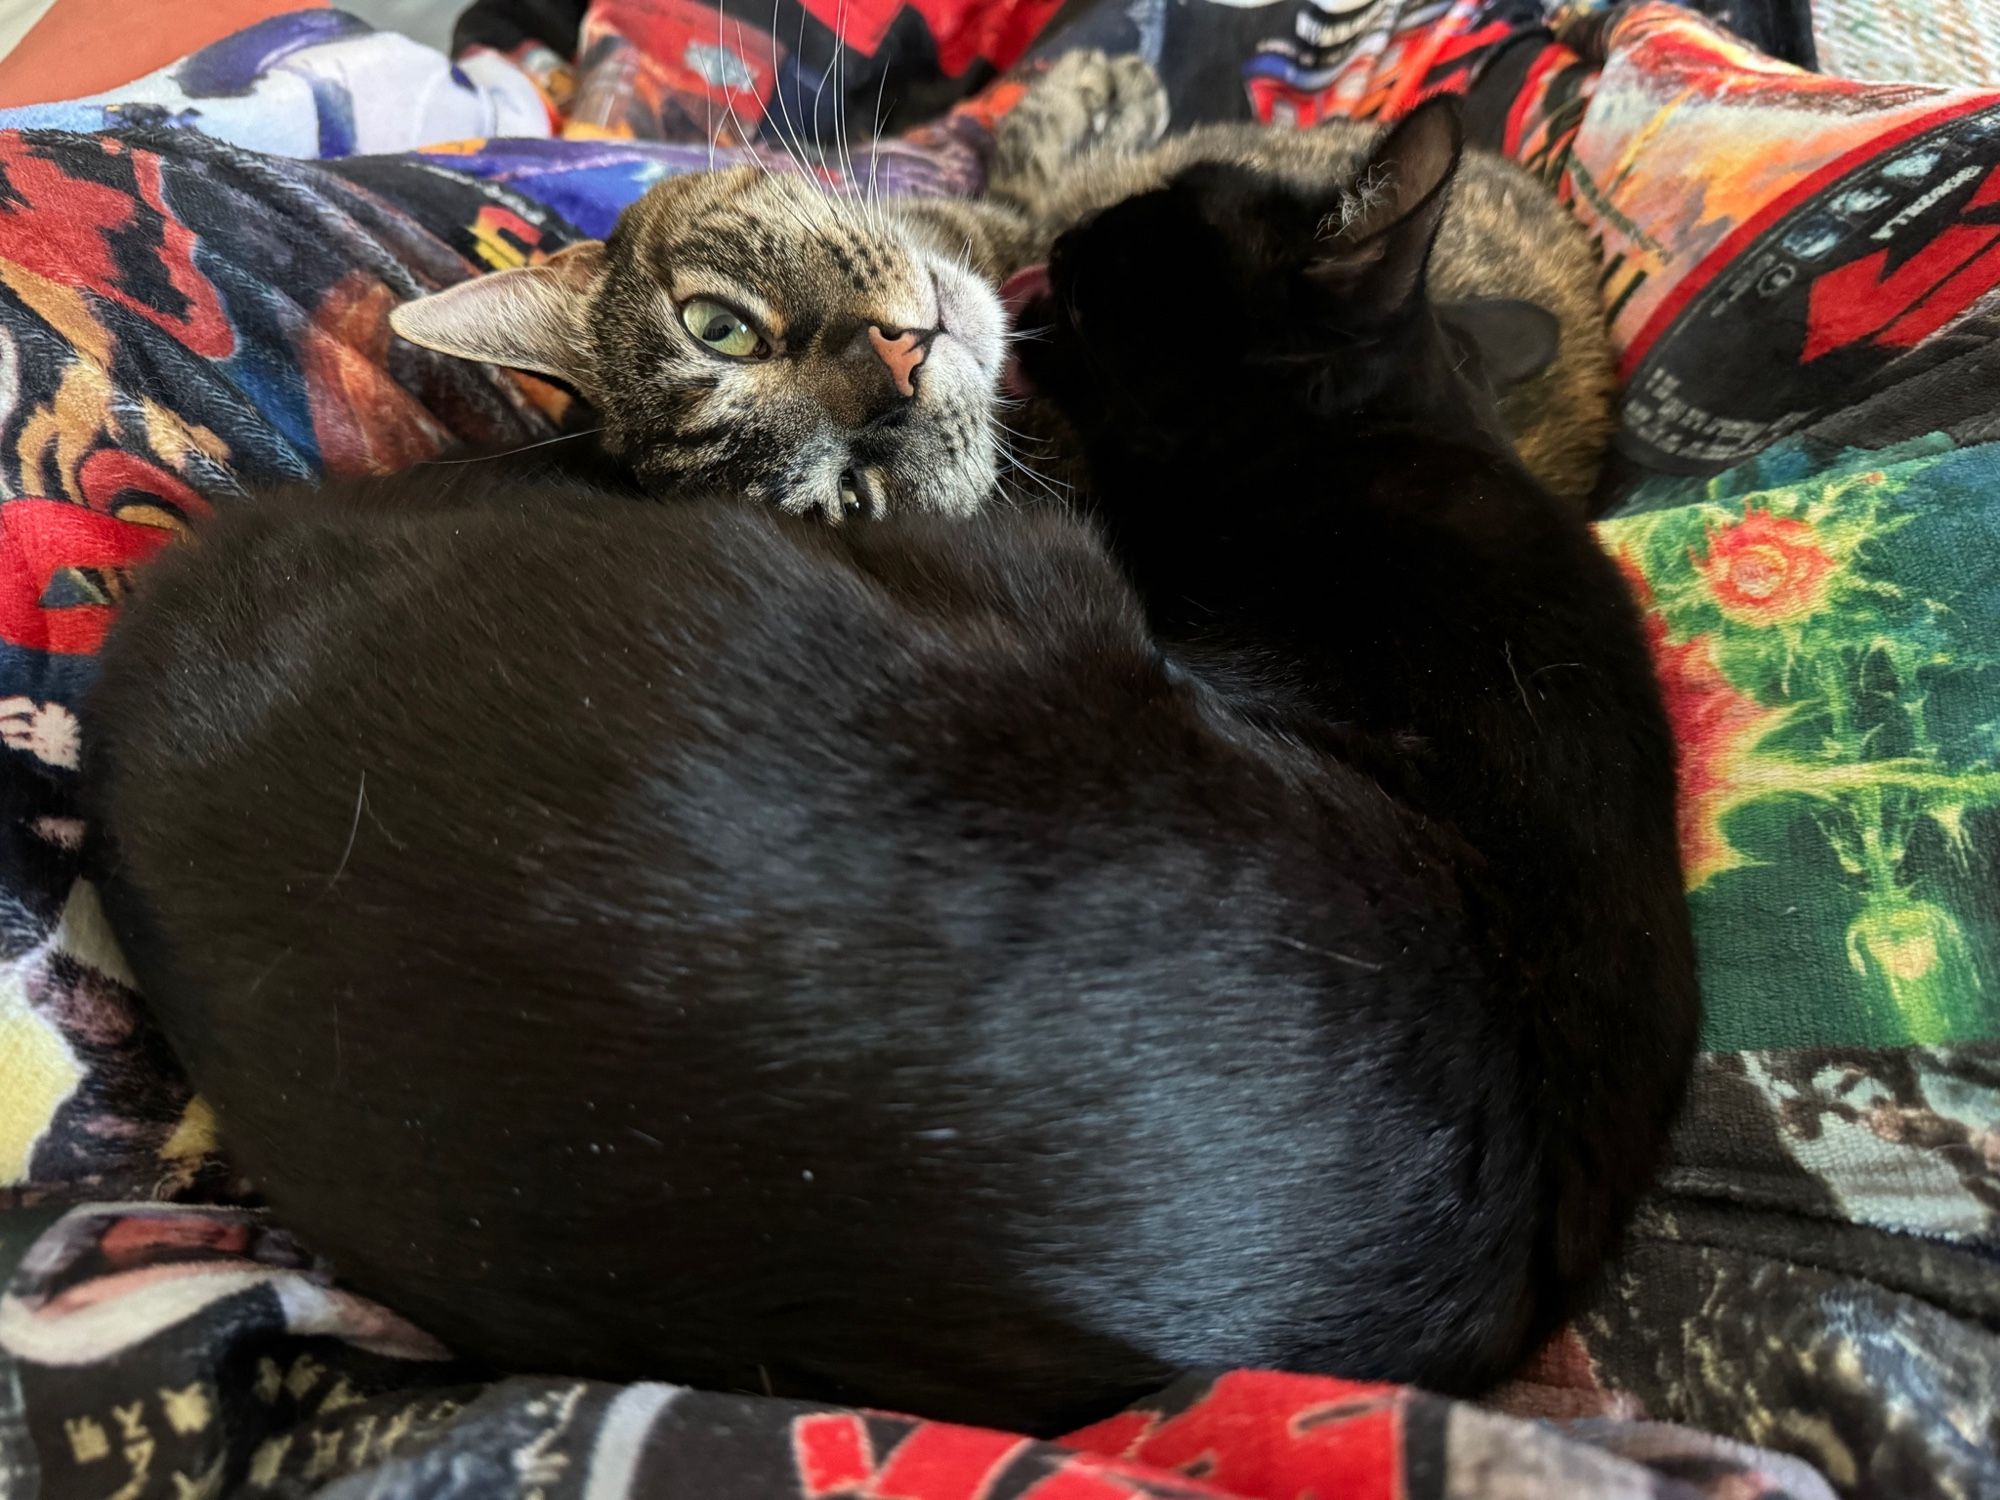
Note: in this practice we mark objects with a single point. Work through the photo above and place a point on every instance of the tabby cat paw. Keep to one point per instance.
(1086, 101)
(1136, 106)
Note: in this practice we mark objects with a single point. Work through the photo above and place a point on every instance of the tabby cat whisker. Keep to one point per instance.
(841, 156)
(875, 134)
(844, 120)
(1041, 481)
(784, 104)
(819, 96)
(799, 126)
(480, 458)
(729, 104)
(1026, 437)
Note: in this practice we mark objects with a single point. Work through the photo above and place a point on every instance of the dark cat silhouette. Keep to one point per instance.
(1305, 476)
(679, 941)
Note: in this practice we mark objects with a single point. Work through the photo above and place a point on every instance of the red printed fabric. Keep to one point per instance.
(681, 69)
(1778, 244)
(1800, 273)
(197, 1351)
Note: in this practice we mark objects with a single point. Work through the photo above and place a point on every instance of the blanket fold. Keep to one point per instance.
(1801, 274)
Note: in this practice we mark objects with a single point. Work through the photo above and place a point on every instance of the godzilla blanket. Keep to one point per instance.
(1800, 275)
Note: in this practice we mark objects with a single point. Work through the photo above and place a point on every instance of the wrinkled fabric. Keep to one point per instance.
(1799, 274)
(313, 83)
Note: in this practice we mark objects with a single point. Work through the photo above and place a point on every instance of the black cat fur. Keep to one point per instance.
(1310, 489)
(677, 941)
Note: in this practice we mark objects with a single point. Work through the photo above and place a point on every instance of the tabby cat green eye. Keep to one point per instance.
(721, 328)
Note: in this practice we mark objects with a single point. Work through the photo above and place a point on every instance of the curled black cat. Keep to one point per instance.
(689, 943)
(1310, 485)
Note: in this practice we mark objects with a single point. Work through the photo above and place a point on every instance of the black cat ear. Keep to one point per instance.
(527, 318)
(1515, 340)
(1372, 252)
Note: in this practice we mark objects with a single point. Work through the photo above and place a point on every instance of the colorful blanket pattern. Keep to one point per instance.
(216, 1360)
(1800, 271)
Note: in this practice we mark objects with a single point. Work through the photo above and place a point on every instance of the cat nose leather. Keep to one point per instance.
(901, 354)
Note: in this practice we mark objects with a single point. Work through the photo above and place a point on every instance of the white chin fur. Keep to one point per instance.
(969, 312)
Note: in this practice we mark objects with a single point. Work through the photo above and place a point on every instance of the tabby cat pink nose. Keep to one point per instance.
(902, 354)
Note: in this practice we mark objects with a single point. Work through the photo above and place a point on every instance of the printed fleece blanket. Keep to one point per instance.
(1800, 274)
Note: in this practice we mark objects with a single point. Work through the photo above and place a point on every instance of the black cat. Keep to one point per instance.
(1305, 476)
(683, 942)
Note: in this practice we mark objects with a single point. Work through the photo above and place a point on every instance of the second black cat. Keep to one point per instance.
(680, 942)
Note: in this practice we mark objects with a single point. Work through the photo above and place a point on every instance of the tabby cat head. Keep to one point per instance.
(746, 332)
(1181, 321)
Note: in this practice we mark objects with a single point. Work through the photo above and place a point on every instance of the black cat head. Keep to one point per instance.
(1229, 288)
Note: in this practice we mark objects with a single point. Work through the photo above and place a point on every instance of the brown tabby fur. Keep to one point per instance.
(818, 271)
(819, 277)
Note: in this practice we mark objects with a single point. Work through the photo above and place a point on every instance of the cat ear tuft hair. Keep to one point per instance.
(528, 318)
(1372, 254)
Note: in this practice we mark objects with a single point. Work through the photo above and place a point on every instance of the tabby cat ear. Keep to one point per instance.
(529, 318)
(1373, 255)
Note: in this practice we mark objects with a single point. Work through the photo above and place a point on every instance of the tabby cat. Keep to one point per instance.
(747, 332)
(907, 964)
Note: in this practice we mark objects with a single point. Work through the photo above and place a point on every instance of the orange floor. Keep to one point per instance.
(87, 46)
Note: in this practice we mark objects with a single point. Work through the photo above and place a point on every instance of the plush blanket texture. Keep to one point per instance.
(1800, 274)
